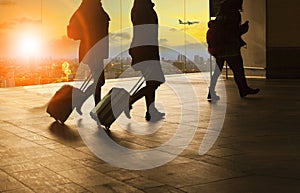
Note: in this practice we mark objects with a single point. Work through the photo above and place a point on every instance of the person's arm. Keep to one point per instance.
(244, 28)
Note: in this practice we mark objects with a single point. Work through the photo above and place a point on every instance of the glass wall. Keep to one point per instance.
(35, 48)
(182, 29)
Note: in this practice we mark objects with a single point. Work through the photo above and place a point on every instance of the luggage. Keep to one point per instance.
(113, 104)
(60, 106)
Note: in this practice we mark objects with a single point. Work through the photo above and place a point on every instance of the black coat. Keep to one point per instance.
(229, 18)
(94, 23)
(144, 44)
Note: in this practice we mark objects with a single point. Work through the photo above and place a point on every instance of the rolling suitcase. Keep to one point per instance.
(113, 104)
(60, 105)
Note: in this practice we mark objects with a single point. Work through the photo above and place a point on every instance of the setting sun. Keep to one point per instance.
(30, 46)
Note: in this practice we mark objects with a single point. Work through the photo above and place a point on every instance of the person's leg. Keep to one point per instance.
(138, 95)
(217, 72)
(237, 67)
(97, 93)
(149, 92)
(84, 96)
(218, 69)
(93, 89)
(152, 113)
(135, 97)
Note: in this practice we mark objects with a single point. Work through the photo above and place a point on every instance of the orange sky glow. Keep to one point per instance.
(38, 27)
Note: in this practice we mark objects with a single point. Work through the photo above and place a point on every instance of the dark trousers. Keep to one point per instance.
(236, 65)
(95, 88)
(148, 91)
(97, 70)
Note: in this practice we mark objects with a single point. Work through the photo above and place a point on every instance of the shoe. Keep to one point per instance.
(77, 102)
(212, 96)
(93, 116)
(154, 115)
(247, 91)
(78, 110)
(127, 112)
(148, 116)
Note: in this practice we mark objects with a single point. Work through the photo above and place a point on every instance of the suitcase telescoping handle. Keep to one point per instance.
(133, 90)
(86, 82)
(137, 86)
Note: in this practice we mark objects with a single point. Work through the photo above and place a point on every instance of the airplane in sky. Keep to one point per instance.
(187, 22)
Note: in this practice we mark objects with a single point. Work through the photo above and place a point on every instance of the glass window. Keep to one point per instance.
(34, 41)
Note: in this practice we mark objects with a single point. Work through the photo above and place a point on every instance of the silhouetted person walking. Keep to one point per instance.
(229, 17)
(144, 51)
(93, 22)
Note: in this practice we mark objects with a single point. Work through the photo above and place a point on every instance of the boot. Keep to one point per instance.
(127, 111)
(154, 115)
(212, 96)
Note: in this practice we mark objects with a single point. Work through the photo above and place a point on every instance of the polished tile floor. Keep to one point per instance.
(247, 145)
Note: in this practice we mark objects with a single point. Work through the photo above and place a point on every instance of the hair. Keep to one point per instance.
(142, 4)
(229, 4)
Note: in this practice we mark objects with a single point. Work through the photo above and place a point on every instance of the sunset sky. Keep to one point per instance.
(26, 29)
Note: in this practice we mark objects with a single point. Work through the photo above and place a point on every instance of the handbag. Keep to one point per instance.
(215, 37)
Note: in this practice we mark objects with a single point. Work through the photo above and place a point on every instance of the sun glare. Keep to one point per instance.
(30, 46)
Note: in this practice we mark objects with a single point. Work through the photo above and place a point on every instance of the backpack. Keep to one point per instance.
(215, 37)
(74, 30)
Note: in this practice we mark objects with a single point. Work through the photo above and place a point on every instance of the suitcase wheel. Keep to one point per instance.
(59, 121)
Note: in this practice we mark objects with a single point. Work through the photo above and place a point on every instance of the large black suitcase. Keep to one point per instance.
(113, 104)
(61, 105)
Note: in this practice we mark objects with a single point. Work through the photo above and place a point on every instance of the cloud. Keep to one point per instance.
(7, 3)
(192, 46)
(27, 20)
(163, 41)
(7, 45)
(63, 47)
(120, 35)
(12, 23)
(7, 25)
(173, 29)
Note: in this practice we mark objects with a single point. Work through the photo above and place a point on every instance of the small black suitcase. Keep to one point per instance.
(60, 106)
(113, 104)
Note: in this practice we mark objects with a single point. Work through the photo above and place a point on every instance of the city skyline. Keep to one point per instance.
(15, 72)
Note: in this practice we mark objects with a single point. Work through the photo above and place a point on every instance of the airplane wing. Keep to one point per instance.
(187, 22)
(192, 22)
